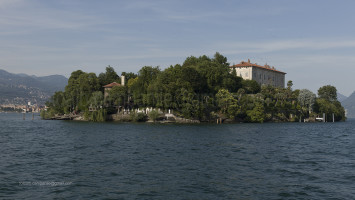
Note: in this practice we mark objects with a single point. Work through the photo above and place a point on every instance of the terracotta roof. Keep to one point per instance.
(249, 64)
(111, 85)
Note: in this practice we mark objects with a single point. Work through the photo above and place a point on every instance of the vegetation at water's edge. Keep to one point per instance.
(201, 88)
(7, 109)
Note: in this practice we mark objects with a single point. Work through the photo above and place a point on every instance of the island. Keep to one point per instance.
(202, 89)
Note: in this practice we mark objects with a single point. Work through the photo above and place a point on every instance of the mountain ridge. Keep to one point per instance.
(22, 88)
(349, 105)
(341, 97)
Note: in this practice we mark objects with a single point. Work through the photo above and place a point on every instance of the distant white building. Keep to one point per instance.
(262, 74)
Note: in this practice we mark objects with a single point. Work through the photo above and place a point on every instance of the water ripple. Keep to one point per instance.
(149, 161)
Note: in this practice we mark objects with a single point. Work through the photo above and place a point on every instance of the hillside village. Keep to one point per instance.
(24, 93)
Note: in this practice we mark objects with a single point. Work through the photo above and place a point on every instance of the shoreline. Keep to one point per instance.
(175, 120)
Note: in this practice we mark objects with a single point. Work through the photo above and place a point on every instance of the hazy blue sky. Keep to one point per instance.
(312, 40)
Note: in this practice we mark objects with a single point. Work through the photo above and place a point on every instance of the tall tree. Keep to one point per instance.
(129, 75)
(72, 90)
(289, 85)
(307, 99)
(227, 103)
(97, 99)
(220, 59)
(118, 95)
(328, 92)
(58, 102)
(108, 77)
(251, 86)
(257, 114)
(88, 83)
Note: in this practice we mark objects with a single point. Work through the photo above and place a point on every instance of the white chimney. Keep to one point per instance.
(122, 80)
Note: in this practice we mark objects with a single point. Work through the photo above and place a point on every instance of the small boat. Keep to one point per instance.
(319, 119)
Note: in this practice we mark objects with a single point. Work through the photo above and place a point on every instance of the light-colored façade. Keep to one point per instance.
(262, 74)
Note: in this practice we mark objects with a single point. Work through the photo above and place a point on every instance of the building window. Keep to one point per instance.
(246, 74)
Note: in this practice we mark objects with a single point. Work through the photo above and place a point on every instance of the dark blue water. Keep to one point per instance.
(80, 160)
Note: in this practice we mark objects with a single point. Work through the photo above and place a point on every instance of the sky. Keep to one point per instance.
(312, 41)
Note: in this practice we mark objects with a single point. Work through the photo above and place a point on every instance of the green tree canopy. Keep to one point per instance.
(307, 99)
(328, 92)
(97, 99)
(129, 75)
(257, 114)
(251, 86)
(329, 108)
(118, 95)
(108, 77)
(289, 85)
(72, 90)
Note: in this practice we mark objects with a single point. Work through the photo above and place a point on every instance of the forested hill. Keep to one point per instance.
(21, 88)
(349, 105)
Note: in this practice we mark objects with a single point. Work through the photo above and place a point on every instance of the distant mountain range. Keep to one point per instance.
(22, 88)
(341, 97)
(349, 105)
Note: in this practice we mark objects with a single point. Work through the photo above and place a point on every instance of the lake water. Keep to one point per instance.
(82, 160)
